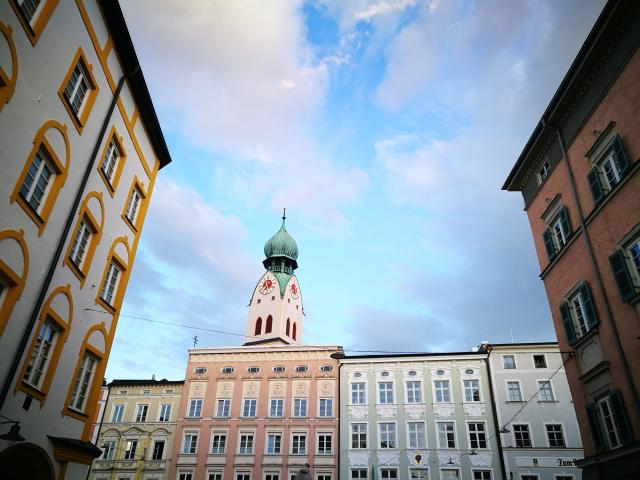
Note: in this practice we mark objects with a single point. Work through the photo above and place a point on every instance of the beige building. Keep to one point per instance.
(136, 430)
(80, 149)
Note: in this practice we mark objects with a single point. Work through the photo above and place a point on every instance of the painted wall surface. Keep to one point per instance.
(541, 459)
(432, 460)
(34, 110)
(146, 432)
(287, 373)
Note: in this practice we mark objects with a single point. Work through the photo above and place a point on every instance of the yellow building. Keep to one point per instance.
(137, 429)
(80, 148)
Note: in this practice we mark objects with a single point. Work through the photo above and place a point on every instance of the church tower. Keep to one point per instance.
(275, 312)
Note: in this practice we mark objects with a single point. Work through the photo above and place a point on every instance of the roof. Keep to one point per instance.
(415, 354)
(114, 19)
(140, 383)
(609, 22)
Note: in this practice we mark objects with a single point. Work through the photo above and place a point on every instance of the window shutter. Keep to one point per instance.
(564, 221)
(588, 305)
(620, 156)
(592, 413)
(568, 323)
(622, 276)
(548, 243)
(622, 422)
(595, 185)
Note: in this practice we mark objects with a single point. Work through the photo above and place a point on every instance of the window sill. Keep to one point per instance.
(31, 213)
(632, 169)
(583, 339)
(77, 414)
(559, 254)
(77, 271)
(110, 188)
(103, 303)
(133, 228)
(32, 391)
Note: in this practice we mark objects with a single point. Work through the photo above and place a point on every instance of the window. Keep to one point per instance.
(132, 205)
(279, 369)
(249, 407)
(539, 361)
(358, 435)
(146, 392)
(477, 435)
(28, 8)
(557, 233)
(387, 435)
(35, 185)
(358, 473)
(385, 389)
(218, 443)
(418, 474)
(441, 391)
(42, 352)
(543, 171)
(611, 423)
(449, 474)
(325, 441)
(301, 368)
(529, 477)
(555, 435)
(165, 412)
(253, 369)
(522, 436)
(358, 393)
(277, 407)
(323, 476)
(108, 449)
(130, 447)
(246, 444)
(513, 392)
(195, 408)
(389, 473)
(190, 443)
(141, 413)
(81, 241)
(112, 163)
(417, 435)
(185, 476)
(509, 362)
(609, 170)
(471, 390)
(215, 476)
(118, 411)
(299, 407)
(326, 407)
(83, 381)
(414, 392)
(223, 407)
(384, 374)
(625, 264)
(326, 368)
(200, 370)
(158, 450)
(78, 91)
(483, 475)
(227, 370)
(545, 392)
(274, 444)
(110, 282)
(578, 314)
(271, 476)
(299, 444)
(446, 435)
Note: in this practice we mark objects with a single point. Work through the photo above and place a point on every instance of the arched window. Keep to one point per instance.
(288, 327)
(258, 329)
(268, 327)
(295, 331)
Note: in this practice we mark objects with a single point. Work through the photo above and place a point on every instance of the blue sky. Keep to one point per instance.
(385, 127)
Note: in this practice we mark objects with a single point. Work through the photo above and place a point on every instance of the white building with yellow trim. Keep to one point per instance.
(80, 148)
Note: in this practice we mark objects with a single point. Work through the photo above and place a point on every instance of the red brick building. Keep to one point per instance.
(578, 174)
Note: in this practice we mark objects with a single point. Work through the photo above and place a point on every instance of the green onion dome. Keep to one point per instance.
(281, 245)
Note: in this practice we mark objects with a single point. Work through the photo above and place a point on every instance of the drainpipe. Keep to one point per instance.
(592, 260)
(33, 319)
(495, 413)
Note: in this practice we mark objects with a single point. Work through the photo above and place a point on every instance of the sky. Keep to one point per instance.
(385, 127)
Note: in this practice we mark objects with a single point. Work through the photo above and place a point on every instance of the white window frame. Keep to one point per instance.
(110, 160)
(249, 407)
(482, 469)
(223, 405)
(383, 394)
(363, 392)
(409, 433)
(615, 422)
(419, 467)
(528, 425)
(241, 434)
(280, 444)
(562, 432)
(192, 445)
(446, 432)
(130, 454)
(388, 469)
(81, 241)
(42, 353)
(82, 383)
(544, 358)
(72, 90)
(366, 435)
(301, 434)
(359, 469)
(442, 391)
(145, 413)
(217, 435)
(322, 433)
(32, 180)
(506, 386)
(328, 412)
(476, 433)
(114, 409)
(464, 390)
(133, 204)
(413, 392)
(543, 171)
(111, 282)
(449, 469)
(297, 409)
(196, 407)
(153, 448)
(540, 390)
(394, 432)
(279, 407)
(162, 414)
(110, 452)
(504, 363)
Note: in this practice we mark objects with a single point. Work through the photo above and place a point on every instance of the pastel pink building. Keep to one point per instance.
(264, 410)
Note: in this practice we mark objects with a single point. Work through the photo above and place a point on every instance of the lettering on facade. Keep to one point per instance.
(567, 463)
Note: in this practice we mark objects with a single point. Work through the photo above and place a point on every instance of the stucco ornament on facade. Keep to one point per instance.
(196, 389)
(453, 456)
(386, 411)
(474, 409)
(225, 389)
(391, 457)
(415, 412)
(301, 388)
(326, 388)
(444, 410)
(358, 459)
(278, 388)
(357, 412)
(414, 455)
(481, 459)
(251, 389)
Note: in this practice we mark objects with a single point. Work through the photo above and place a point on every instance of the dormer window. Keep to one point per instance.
(279, 369)
(227, 370)
(200, 370)
(326, 368)
(253, 369)
(302, 368)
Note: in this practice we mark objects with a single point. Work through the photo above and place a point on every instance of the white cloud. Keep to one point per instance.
(383, 8)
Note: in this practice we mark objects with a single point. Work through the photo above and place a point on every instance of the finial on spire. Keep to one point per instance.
(284, 213)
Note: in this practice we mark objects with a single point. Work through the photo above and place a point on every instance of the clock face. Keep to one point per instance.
(293, 290)
(267, 285)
